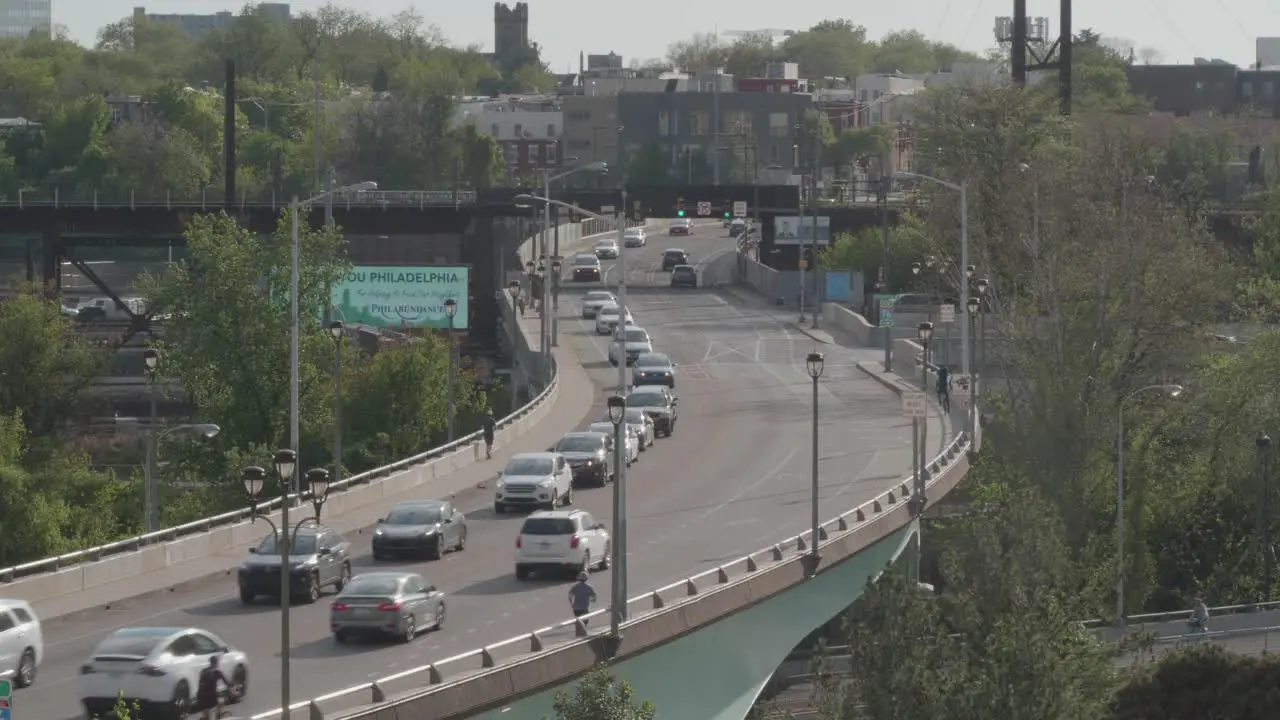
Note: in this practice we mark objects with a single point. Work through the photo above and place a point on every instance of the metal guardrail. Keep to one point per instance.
(1101, 623)
(458, 667)
(132, 544)
(206, 200)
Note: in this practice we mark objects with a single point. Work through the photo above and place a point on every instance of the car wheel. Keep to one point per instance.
(313, 588)
(604, 561)
(410, 631)
(586, 563)
(239, 685)
(26, 674)
(439, 618)
(436, 551)
(246, 597)
(378, 555)
(522, 572)
(344, 578)
(340, 637)
(499, 508)
(554, 503)
(462, 541)
(567, 498)
(180, 702)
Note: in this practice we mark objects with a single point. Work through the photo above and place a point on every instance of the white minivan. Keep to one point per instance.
(21, 642)
(542, 480)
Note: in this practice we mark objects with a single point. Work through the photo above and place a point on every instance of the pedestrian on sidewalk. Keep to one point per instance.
(487, 424)
(581, 595)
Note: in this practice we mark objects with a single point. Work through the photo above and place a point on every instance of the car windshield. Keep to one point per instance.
(596, 296)
(653, 361)
(675, 254)
(578, 443)
(414, 516)
(585, 260)
(645, 399)
(303, 544)
(529, 466)
(635, 415)
(548, 526)
(373, 586)
(601, 427)
(637, 336)
(134, 642)
(609, 310)
(683, 270)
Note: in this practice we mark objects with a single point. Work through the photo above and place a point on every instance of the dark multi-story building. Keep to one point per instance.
(1184, 90)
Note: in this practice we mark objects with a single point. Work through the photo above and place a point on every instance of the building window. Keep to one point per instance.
(698, 124)
(664, 123)
(519, 130)
(551, 154)
(1246, 90)
(493, 130)
(1266, 90)
(773, 154)
(531, 154)
(579, 116)
(551, 130)
(737, 122)
(779, 125)
(579, 144)
(511, 153)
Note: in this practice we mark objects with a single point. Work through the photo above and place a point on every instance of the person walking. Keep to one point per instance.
(581, 595)
(944, 388)
(208, 699)
(488, 425)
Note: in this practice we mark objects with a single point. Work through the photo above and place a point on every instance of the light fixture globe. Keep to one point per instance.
(1263, 441)
(814, 363)
(318, 483)
(285, 461)
(617, 409)
(529, 266)
(1173, 390)
(973, 305)
(151, 357)
(555, 265)
(336, 329)
(969, 271)
(924, 331)
(983, 285)
(254, 479)
(450, 308)
(915, 268)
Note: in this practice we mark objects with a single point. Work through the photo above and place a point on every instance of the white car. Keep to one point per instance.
(158, 668)
(641, 424)
(635, 341)
(21, 642)
(594, 300)
(541, 479)
(633, 438)
(607, 318)
(607, 249)
(635, 237)
(569, 541)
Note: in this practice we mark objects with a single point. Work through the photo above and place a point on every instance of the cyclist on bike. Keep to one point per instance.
(208, 697)
(944, 387)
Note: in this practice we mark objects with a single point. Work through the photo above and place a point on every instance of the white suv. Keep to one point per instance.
(607, 318)
(21, 642)
(569, 541)
(540, 479)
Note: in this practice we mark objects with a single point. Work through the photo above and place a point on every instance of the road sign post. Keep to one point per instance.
(947, 313)
(913, 404)
(704, 209)
(6, 698)
(740, 208)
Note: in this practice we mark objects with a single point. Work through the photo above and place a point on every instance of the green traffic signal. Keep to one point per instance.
(726, 214)
(679, 213)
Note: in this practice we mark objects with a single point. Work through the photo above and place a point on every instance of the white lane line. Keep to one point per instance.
(748, 488)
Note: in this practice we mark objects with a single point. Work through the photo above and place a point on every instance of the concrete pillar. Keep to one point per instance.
(909, 560)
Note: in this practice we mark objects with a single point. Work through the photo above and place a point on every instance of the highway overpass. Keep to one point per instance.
(733, 480)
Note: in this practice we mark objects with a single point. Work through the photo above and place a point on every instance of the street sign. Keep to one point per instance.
(606, 209)
(6, 698)
(704, 209)
(740, 208)
(947, 313)
(913, 405)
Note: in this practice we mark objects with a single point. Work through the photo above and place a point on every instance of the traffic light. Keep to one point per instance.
(728, 209)
(679, 207)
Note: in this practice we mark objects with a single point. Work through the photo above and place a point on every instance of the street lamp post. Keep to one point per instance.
(924, 333)
(618, 561)
(814, 363)
(1263, 443)
(451, 309)
(547, 179)
(254, 480)
(1171, 391)
(979, 341)
(295, 207)
(963, 189)
(337, 329)
(151, 501)
(973, 306)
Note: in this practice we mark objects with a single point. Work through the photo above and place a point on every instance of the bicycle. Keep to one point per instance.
(944, 398)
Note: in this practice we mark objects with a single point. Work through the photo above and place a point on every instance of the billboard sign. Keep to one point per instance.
(402, 297)
(796, 230)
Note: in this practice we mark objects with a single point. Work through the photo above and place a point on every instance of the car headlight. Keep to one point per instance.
(377, 532)
(500, 484)
(547, 483)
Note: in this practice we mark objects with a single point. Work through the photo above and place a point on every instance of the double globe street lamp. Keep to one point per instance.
(254, 479)
(450, 310)
(814, 363)
(337, 330)
(617, 406)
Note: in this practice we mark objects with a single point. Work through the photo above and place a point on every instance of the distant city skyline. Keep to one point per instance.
(1178, 29)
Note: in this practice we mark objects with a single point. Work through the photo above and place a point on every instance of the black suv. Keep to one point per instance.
(319, 557)
(674, 257)
(684, 276)
(659, 403)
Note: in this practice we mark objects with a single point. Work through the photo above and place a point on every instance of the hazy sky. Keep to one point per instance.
(642, 29)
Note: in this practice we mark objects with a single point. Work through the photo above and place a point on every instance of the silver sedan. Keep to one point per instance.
(642, 424)
(395, 604)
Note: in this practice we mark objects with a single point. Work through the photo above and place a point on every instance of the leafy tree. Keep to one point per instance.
(864, 251)
(599, 696)
(1202, 681)
(830, 49)
(700, 52)
(43, 367)
(650, 165)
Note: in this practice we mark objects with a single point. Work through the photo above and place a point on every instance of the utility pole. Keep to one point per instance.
(884, 269)
(715, 129)
(1058, 57)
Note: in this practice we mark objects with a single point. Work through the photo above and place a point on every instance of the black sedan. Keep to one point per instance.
(654, 369)
(658, 403)
(420, 527)
(586, 268)
(673, 257)
(684, 276)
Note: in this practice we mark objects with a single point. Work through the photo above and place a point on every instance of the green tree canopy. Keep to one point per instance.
(598, 696)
